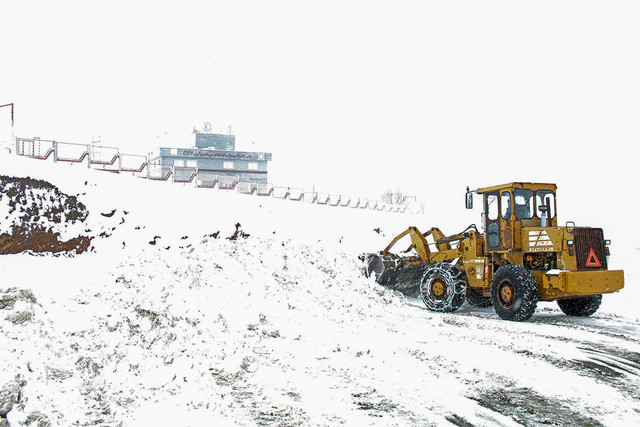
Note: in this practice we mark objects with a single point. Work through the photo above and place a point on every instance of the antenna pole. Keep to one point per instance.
(13, 138)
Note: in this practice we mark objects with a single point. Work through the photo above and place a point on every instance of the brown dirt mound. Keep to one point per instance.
(36, 210)
(41, 241)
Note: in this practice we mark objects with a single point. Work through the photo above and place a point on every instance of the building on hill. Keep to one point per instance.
(216, 153)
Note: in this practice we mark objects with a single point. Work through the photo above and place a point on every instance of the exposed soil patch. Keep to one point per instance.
(40, 240)
(238, 234)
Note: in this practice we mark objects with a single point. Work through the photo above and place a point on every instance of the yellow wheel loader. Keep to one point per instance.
(521, 257)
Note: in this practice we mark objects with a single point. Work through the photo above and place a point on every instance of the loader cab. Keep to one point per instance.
(509, 207)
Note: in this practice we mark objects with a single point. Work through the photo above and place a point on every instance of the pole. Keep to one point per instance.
(13, 137)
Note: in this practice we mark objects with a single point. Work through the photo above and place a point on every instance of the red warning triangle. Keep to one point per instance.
(592, 259)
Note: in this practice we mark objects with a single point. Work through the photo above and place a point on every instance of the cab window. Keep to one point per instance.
(541, 200)
(492, 207)
(505, 205)
(524, 207)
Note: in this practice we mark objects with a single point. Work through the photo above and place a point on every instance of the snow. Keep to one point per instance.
(280, 327)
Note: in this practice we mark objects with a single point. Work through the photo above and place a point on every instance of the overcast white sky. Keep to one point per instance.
(356, 96)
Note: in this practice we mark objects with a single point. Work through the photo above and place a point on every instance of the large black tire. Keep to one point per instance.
(476, 299)
(582, 307)
(443, 287)
(514, 293)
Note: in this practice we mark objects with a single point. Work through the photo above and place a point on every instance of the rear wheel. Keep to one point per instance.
(582, 307)
(443, 287)
(514, 293)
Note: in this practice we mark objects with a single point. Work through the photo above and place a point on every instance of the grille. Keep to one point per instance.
(586, 240)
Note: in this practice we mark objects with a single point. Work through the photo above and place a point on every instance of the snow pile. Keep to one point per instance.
(255, 331)
(200, 307)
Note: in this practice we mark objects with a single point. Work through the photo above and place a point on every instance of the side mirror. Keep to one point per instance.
(468, 199)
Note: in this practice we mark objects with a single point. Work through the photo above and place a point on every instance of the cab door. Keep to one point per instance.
(507, 223)
(492, 221)
(499, 221)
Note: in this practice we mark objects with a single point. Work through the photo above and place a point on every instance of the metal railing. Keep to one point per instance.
(110, 159)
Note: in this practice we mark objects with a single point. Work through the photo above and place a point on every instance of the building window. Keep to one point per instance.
(192, 163)
(253, 166)
(227, 165)
(179, 163)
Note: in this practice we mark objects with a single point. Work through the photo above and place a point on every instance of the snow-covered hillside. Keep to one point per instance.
(202, 307)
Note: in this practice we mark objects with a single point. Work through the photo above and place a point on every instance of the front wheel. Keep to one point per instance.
(443, 287)
(582, 307)
(514, 293)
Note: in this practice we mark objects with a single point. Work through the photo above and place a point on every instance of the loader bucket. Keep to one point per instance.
(401, 274)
